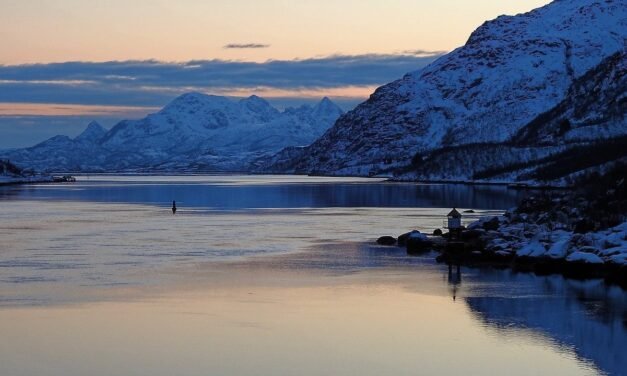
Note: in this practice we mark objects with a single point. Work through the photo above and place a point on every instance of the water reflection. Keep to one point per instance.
(61, 245)
(244, 192)
(586, 317)
(454, 279)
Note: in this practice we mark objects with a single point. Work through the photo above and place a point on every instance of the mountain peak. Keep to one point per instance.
(93, 132)
(94, 125)
(193, 102)
(328, 107)
(259, 105)
(326, 102)
(256, 100)
(189, 98)
(192, 95)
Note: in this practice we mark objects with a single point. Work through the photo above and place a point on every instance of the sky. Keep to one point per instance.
(66, 62)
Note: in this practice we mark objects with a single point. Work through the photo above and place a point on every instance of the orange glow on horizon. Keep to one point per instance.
(56, 109)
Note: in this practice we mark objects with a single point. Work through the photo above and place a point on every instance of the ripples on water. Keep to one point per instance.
(106, 235)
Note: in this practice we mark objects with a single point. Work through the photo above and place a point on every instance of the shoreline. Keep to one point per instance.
(578, 235)
(387, 179)
(45, 180)
(612, 274)
(479, 257)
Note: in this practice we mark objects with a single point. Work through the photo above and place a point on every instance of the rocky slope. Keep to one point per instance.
(511, 70)
(585, 132)
(193, 132)
(595, 107)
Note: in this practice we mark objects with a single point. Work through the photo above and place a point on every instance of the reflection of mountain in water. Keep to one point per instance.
(280, 195)
(587, 317)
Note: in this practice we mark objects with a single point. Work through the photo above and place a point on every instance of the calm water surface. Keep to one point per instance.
(276, 275)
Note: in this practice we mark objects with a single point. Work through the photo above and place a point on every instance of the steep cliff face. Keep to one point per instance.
(511, 70)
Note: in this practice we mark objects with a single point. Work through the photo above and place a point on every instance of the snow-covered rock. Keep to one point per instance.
(585, 257)
(532, 249)
(559, 249)
(417, 235)
(595, 247)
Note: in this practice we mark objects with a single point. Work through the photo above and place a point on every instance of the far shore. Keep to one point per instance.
(527, 185)
(43, 179)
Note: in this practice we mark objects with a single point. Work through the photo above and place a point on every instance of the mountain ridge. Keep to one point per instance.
(193, 132)
(511, 70)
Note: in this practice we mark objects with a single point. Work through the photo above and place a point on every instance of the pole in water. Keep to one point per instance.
(173, 207)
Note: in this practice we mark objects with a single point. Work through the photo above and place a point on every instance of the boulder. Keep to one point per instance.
(584, 257)
(471, 234)
(418, 242)
(386, 240)
(492, 224)
(402, 239)
(532, 249)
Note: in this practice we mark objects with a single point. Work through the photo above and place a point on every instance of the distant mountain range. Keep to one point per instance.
(535, 97)
(195, 132)
(529, 97)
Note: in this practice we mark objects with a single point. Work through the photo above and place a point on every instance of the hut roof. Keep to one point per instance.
(454, 213)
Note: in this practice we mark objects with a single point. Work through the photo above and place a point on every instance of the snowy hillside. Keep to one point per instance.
(584, 133)
(595, 107)
(511, 70)
(63, 153)
(193, 132)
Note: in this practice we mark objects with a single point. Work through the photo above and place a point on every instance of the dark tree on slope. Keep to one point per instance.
(9, 168)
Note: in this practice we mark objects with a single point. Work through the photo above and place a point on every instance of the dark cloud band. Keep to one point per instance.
(153, 83)
(245, 45)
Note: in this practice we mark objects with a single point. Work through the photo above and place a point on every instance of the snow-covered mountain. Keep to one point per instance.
(595, 107)
(193, 132)
(584, 133)
(93, 133)
(63, 153)
(510, 71)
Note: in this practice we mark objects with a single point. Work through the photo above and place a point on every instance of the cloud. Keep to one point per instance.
(425, 53)
(245, 45)
(38, 101)
(19, 110)
(49, 82)
(154, 83)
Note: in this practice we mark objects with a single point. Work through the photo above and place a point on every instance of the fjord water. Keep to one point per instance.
(267, 275)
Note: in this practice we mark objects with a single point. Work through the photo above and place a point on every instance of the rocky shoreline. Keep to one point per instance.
(579, 234)
(533, 247)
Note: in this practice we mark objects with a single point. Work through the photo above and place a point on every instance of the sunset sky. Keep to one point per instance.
(65, 62)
